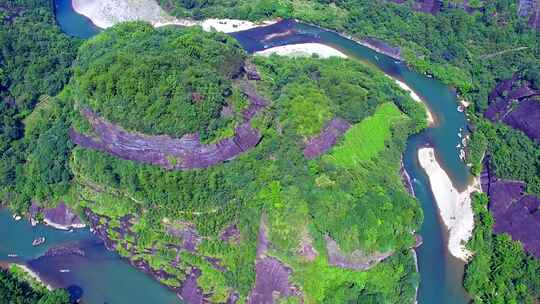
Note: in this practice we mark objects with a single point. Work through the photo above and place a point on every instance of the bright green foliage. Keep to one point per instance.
(177, 83)
(366, 139)
(298, 198)
(308, 110)
(14, 289)
(35, 57)
(501, 271)
(514, 155)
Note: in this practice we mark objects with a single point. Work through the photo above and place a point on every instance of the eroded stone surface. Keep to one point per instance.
(327, 138)
(516, 103)
(357, 260)
(272, 277)
(514, 211)
(61, 217)
(182, 153)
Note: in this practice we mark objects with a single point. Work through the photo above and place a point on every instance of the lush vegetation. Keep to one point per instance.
(34, 62)
(500, 272)
(362, 204)
(514, 155)
(468, 51)
(177, 84)
(16, 287)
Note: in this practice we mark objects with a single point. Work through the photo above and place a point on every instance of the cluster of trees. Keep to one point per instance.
(513, 155)
(469, 51)
(299, 198)
(177, 84)
(500, 271)
(35, 57)
(14, 290)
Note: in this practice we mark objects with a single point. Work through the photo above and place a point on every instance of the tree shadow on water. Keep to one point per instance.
(75, 293)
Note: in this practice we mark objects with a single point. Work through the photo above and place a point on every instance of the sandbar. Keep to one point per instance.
(454, 206)
(303, 50)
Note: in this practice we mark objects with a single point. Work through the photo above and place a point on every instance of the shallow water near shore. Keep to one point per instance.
(100, 276)
(105, 277)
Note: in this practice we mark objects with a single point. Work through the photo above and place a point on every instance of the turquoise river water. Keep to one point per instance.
(103, 277)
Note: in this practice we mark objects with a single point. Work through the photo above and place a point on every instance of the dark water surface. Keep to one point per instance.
(103, 277)
(72, 23)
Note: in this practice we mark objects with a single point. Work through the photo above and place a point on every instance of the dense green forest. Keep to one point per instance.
(16, 288)
(338, 195)
(349, 194)
(471, 52)
(500, 271)
(34, 63)
(468, 51)
(175, 86)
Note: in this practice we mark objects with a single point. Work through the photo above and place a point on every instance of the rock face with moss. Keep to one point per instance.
(234, 179)
(515, 101)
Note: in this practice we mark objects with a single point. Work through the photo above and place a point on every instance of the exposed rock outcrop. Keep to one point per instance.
(406, 179)
(182, 153)
(327, 138)
(513, 102)
(424, 6)
(357, 260)
(530, 8)
(272, 277)
(187, 233)
(514, 211)
(231, 234)
(382, 47)
(61, 217)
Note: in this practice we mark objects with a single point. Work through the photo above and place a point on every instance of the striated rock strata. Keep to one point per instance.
(272, 277)
(515, 102)
(182, 153)
(514, 211)
(327, 138)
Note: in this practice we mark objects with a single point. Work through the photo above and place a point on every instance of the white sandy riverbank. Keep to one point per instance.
(415, 97)
(33, 275)
(106, 13)
(454, 206)
(303, 50)
(63, 227)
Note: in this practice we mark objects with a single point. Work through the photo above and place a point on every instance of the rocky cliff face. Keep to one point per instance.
(530, 8)
(514, 211)
(60, 217)
(424, 6)
(514, 102)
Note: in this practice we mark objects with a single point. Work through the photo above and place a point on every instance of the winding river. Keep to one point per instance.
(103, 277)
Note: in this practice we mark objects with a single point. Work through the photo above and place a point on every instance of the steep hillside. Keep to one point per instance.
(326, 226)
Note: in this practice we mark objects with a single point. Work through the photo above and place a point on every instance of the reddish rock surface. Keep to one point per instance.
(424, 6)
(514, 211)
(328, 137)
(272, 277)
(516, 103)
(190, 291)
(184, 153)
(383, 47)
(230, 234)
(357, 260)
(62, 216)
(189, 236)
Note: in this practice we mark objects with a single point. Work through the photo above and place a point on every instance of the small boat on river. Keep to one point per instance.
(38, 241)
(64, 270)
(12, 255)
